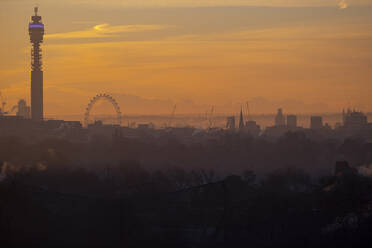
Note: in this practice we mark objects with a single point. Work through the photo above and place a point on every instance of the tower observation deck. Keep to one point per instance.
(36, 31)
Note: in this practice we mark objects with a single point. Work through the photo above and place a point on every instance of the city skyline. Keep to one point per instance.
(172, 54)
(186, 123)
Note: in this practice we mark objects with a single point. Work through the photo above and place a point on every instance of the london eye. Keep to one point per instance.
(98, 98)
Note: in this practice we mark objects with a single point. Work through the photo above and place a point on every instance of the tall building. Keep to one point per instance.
(279, 118)
(316, 122)
(36, 31)
(23, 109)
(230, 124)
(241, 119)
(291, 121)
(354, 119)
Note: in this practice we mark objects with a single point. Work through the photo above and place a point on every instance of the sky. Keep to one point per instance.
(307, 56)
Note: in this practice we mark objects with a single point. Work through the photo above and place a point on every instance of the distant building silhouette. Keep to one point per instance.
(23, 110)
(36, 31)
(316, 122)
(279, 118)
(354, 119)
(292, 121)
(241, 120)
(145, 126)
(252, 128)
(230, 122)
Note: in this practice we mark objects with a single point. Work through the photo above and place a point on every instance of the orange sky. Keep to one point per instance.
(306, 56)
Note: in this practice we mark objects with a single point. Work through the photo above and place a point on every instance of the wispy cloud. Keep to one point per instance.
(104, 30)
(343, 4)
(290, 33)
(195, 3)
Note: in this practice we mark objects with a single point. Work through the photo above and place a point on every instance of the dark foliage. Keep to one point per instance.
(166, 194)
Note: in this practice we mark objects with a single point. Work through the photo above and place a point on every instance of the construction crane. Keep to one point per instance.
(3, 103)
(210, 117)
(172, 115)
(248, 112)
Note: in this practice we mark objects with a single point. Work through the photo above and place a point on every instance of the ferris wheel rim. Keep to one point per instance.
(97, 98)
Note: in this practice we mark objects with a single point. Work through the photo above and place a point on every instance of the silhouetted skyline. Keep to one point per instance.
(182, 123)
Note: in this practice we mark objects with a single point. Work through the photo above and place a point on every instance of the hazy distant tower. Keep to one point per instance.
(241, 120)
(279, 118)
(36, 31)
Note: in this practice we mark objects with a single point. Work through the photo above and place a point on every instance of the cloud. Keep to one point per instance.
(287, 33)
(343, 4)
(104, 30)
(191, 3)
(198, 3)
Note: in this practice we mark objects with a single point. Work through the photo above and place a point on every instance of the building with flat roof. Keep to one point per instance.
(291, 121)
(316, 122)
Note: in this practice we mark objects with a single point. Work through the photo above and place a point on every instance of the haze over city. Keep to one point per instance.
(185, 123)
(305, 56)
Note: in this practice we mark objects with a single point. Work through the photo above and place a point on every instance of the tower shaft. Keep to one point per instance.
(37, 95)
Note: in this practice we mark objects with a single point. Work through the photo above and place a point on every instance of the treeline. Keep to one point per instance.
(232, 191)
(130, 206)
(224, 153)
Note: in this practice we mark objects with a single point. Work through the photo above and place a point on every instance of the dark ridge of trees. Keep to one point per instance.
(133, 207)
(225, 154)
(231, 192)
